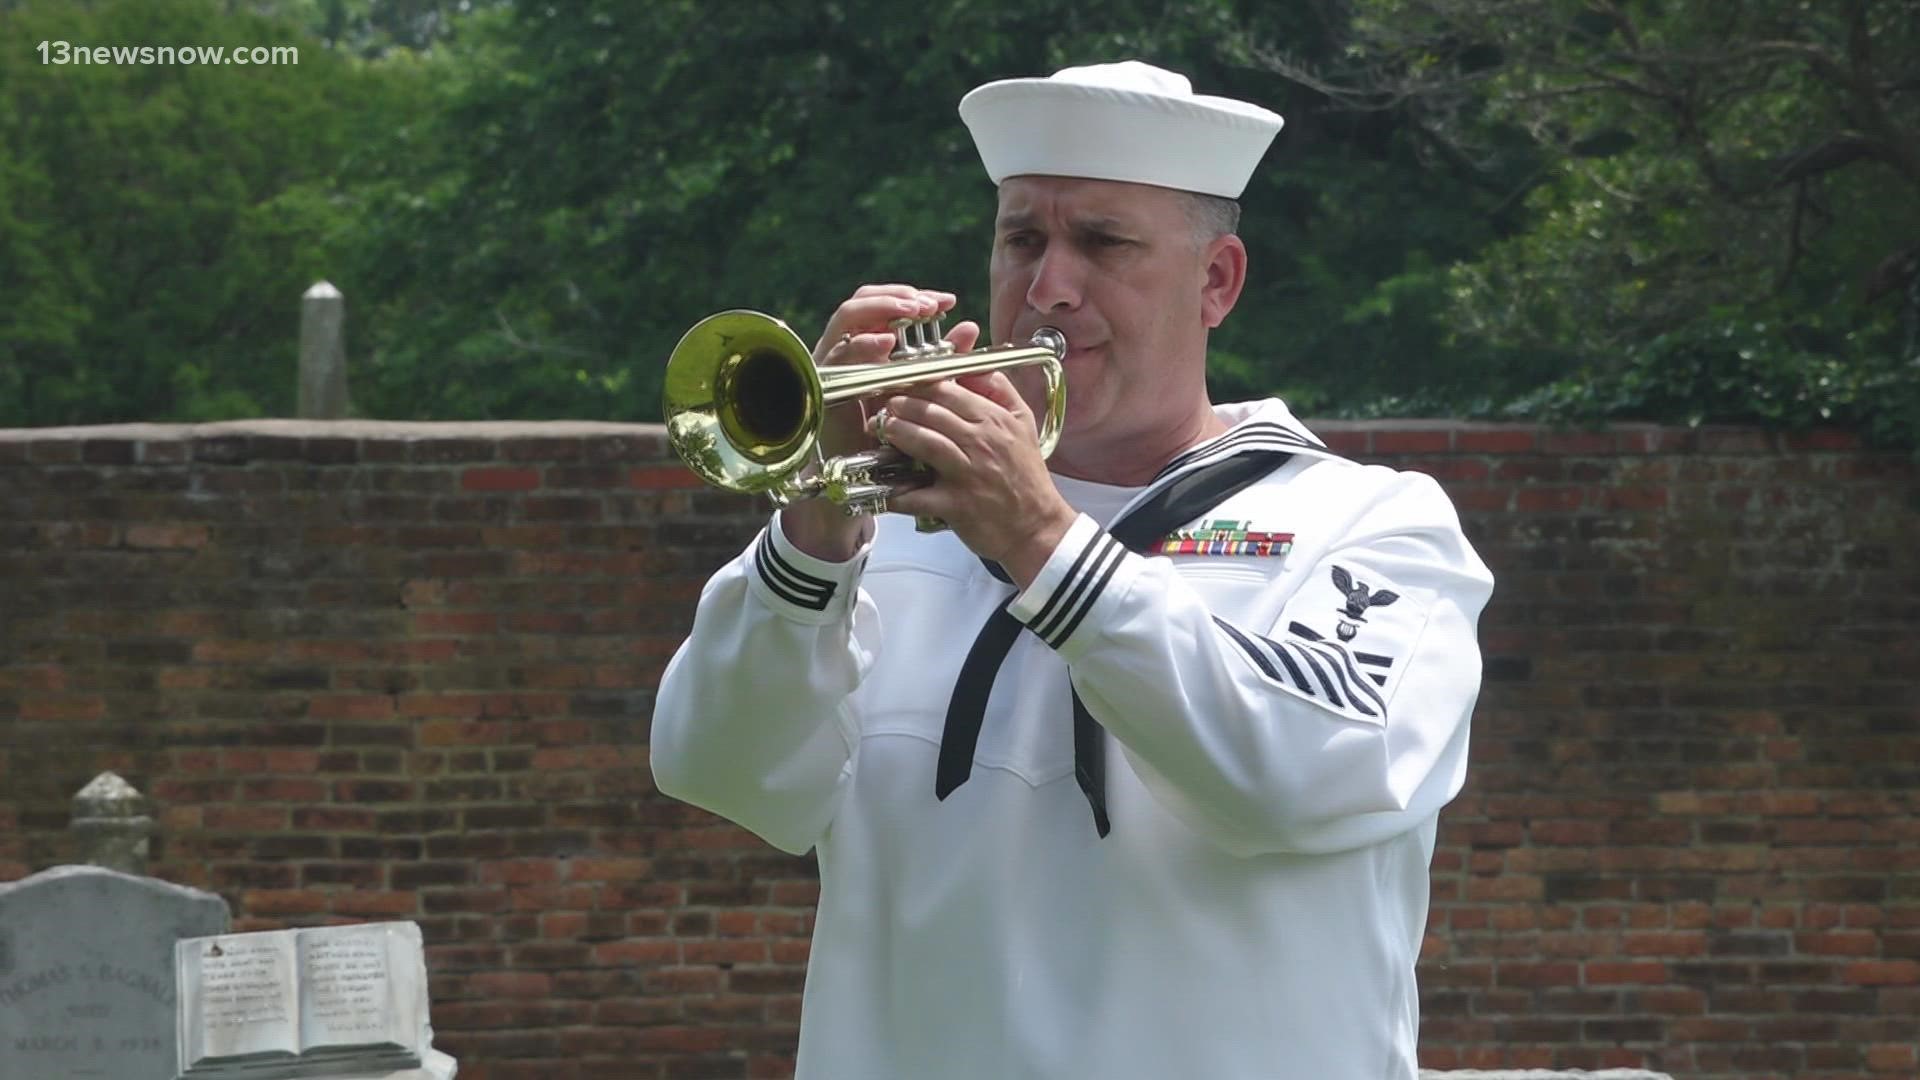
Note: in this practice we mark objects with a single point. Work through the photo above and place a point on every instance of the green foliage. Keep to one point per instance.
(1726, 198)
(374, 28)
(620, 170)
(1577, 209)
(606, 174)
(1728, 368)
(158, 223)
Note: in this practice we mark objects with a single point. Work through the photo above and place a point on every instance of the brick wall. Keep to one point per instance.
(404, 671)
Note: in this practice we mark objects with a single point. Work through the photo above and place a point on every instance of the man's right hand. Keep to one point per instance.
(859, 333)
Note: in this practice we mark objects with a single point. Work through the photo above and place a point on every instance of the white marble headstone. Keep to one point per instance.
(86, 972)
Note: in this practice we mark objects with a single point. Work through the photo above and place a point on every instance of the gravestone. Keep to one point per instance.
(111, 826)
(87, 974)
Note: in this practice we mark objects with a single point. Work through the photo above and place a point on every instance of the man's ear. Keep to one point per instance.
(1226, 270)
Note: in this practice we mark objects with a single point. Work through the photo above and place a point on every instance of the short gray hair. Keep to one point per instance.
(1212, 216)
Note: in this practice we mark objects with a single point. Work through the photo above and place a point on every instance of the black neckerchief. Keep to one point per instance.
(1183, 499)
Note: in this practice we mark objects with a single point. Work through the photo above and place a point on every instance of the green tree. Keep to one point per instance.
(600, 176)
(159, 222)
(374, 28)
(1724, 222)
(526, 203)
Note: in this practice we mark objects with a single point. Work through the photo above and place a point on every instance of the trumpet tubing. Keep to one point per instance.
(745, 405)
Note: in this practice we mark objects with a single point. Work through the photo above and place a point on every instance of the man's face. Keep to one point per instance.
(1117, 268)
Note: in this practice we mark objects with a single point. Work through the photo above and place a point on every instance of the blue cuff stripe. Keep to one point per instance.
(787, 582)
(1049, 613)
(1111, 555)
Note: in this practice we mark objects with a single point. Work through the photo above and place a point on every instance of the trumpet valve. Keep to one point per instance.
(917, 339)
(865, 499)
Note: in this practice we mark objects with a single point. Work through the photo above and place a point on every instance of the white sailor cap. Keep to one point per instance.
(1127, 121)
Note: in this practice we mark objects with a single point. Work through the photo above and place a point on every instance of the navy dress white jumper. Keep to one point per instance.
(1277, 694)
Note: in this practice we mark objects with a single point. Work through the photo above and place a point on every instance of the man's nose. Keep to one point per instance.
(1058, 279)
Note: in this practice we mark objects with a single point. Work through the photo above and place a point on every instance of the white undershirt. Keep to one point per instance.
(1101, 502)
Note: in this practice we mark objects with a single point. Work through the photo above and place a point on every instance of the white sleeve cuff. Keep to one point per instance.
(1087, 566)
(798, 585)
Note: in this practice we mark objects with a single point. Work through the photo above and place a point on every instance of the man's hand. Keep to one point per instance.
(858, 333)
(992, 486)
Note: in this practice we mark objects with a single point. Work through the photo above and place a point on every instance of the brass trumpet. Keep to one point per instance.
(745, 406)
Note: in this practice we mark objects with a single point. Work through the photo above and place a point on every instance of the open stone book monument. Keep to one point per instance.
(330, 1001)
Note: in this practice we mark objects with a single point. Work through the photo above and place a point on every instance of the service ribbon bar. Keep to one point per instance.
(1224, 538)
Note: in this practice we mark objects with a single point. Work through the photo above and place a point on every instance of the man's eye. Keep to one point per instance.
(1019, 241)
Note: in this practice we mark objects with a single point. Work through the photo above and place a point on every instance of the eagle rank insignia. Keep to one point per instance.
(1224, 538)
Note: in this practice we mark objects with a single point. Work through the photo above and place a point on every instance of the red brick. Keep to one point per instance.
(350, 707)
(1884, 973)
(244, 817)
(736, 923)
(1893, 1057)
(1602, 973)
(1412, 442)
(1544, 500)
(33, 677)
(1482, 500)
(376, 905)
(1733, 441)
(663, 477)
(500, 479)
(511, 984)
(698, 951)
(1842, 943)
(284, 789)
(1673, 1002)
(1536, 975)
(521, 872)
(681, 980)
(461, 733)
(83, 707)
(1823, 439)
(292, 761)
(167, 537)
(1514, 440)
(333, 819)
(1578, 443)
(579, 869)
(1575, 833)
(1677, 944)
(284, 902)
(1505, 887)
(1636, 498)
(1709, 1029)
(455, 622)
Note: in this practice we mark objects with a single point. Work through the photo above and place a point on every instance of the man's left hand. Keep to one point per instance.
(991, 487)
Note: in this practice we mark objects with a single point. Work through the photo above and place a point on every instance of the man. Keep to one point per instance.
(1132, 775)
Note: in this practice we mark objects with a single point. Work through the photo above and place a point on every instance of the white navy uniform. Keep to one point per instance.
(1280, 732)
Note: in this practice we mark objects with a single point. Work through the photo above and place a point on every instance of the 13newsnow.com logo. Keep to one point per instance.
(67, 53)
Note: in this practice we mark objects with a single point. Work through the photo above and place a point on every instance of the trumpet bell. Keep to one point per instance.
(743, 402)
